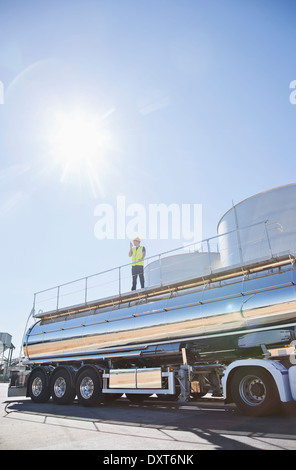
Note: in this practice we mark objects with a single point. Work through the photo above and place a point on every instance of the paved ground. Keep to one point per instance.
(154, 425)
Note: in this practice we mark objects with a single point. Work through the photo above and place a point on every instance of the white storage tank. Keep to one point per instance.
(180, 267)
(259, 227)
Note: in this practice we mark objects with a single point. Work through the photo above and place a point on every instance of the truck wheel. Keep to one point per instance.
(254, 392)
(62, 390)
(89, 388)
(38, 387)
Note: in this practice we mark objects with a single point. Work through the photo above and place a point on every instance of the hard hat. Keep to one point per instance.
(137, 239)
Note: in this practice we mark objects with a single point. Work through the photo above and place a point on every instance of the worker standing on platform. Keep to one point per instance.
(137, 253)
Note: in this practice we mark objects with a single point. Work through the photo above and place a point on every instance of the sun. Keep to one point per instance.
(80, 145)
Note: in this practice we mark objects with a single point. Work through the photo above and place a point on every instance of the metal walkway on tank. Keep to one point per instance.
(120, 294)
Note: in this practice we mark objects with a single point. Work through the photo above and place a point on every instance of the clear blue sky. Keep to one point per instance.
(191, 95)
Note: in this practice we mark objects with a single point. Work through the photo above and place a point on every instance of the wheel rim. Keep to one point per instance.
(37, 386)
(60, 387)
(252, 390)
(87, 388)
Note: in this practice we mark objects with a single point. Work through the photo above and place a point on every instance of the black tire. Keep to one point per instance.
(39, 390)
(89, 388)
(62, 388)
(254, 392)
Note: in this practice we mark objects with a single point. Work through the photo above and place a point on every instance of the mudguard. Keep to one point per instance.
(276, 369)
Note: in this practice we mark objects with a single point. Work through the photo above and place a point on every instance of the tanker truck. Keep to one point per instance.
(220, 321)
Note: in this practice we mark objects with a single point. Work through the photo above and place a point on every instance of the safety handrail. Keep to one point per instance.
(204, 246)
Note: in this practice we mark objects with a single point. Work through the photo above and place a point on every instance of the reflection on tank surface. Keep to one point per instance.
(223, 309)
(240, 294)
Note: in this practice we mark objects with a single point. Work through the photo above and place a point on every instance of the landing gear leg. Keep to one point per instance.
(183, 378)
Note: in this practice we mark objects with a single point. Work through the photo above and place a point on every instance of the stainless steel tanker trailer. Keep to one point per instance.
(220, 320)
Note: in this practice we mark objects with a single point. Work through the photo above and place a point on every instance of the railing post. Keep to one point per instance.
(85, 295)
(268, 239)
(58, 298)
(119, 280)
(34, 304)
(160, 272)
(238, 237)
(209, 253)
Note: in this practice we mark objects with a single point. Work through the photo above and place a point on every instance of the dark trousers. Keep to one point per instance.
(137, 271)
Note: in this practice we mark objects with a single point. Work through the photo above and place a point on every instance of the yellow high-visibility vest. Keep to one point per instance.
(137, 254)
